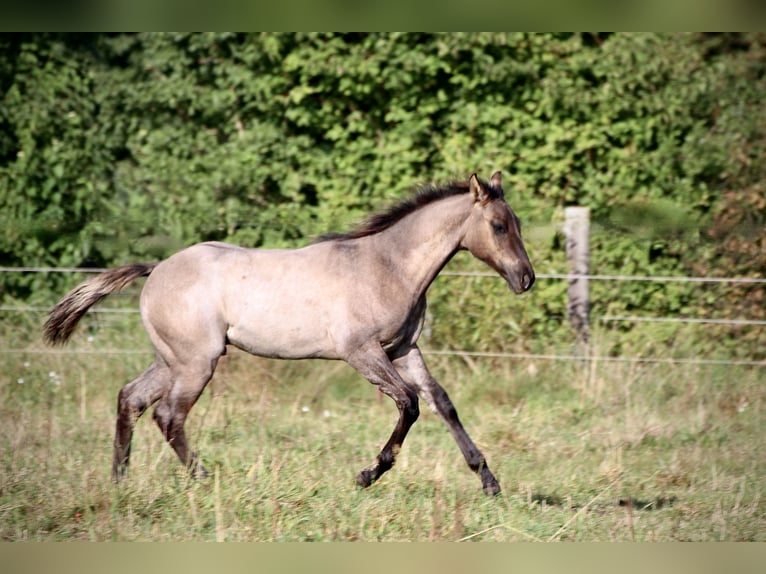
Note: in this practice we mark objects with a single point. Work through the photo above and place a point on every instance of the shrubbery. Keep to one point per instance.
(123, 147)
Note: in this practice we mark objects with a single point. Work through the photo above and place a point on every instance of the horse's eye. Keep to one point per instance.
(499, 228)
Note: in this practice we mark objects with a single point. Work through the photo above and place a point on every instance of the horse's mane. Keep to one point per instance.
(424, 195)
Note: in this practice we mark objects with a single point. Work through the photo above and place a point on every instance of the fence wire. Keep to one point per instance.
(566, 276)
(456, 352)
(447, 353)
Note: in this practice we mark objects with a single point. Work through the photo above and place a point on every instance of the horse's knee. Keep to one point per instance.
(409, 407)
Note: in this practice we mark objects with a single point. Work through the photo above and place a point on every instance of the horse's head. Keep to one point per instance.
(494, 234)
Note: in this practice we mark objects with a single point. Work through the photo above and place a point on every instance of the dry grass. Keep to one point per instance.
(599, 452)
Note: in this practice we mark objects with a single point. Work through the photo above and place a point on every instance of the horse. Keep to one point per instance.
(359, 297)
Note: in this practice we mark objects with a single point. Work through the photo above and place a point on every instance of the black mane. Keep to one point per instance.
(425, 195)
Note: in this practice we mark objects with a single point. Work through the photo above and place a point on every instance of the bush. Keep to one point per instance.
(120, 147)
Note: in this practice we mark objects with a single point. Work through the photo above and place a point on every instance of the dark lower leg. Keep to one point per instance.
(408, 414)
(473, 456)
(413, 369)
(375, 365)
(121, 455)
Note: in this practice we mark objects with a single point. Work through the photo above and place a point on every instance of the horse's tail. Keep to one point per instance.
(64, 317)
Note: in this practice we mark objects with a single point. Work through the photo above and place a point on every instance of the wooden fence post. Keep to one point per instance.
(577, 231)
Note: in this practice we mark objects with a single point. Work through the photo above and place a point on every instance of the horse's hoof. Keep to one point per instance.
(199, 472)
(492, 488)
(365, 478)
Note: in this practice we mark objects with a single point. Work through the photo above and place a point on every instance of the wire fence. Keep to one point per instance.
(458, 352)
(567, 276)
(450, 353)
(644, 278)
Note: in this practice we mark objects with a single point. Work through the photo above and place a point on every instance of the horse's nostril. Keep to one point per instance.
(527, 280)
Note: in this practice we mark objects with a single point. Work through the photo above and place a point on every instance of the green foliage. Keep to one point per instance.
(119, 147)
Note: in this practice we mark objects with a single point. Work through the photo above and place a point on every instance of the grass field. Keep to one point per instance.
(584, 452)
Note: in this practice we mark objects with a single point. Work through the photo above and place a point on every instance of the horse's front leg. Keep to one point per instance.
(373, 363)
(412, 368)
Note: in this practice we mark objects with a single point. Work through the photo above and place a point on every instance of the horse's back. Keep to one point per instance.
(265, 301)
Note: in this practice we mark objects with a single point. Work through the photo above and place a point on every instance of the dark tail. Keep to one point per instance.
(64, 317)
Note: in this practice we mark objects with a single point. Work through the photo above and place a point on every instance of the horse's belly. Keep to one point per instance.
(283, 339)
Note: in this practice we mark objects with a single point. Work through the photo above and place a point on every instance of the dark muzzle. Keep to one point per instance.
(521, 280)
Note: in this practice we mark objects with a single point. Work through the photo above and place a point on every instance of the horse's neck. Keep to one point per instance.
(423, 242)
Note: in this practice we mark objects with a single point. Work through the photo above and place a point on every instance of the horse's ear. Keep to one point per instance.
(477, 190)
(496, 180)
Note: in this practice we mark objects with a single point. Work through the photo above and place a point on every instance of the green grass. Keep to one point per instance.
(596, 452)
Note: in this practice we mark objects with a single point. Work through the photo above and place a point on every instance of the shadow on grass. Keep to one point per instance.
(630, 502)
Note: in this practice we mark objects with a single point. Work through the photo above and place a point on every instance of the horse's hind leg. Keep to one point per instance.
(132, 402)
(170, 414)
(413, 370)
